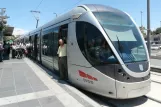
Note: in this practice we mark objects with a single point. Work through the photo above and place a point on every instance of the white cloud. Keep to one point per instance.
(19, 31)
(153, 29)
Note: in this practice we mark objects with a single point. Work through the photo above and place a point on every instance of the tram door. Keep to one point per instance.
(63, 34)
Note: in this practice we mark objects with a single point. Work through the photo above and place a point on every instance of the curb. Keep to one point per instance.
(155, 69)
(154, 99)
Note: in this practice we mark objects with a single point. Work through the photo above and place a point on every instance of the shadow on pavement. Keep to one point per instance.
(53, 73)
(116, 102)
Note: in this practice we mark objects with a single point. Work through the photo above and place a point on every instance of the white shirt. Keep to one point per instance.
(14, 46)
(62, 51)
(1, 47)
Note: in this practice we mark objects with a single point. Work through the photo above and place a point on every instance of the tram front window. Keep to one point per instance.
(124, 36)
(93, 45)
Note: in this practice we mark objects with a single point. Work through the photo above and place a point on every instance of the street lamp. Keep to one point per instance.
(55, 14)
(148, 26)
(141, 18)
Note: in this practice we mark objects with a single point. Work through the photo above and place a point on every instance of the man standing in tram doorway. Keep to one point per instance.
(62, 53)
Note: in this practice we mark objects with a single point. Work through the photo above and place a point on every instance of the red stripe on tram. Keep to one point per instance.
(89, 77)
(82, 74)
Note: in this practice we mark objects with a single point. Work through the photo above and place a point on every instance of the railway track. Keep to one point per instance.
(155, 76)
(137, 102)
(144, 101)
(154, 73)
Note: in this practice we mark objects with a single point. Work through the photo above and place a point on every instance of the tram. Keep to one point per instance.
(106, 52)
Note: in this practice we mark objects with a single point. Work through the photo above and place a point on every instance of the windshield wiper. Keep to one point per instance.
(119, 46)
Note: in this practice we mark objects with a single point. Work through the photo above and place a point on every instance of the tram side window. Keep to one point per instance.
(44, 44)
(32, 44)
(38, 44)
(93, 44)
(56, 45)
(48, 44)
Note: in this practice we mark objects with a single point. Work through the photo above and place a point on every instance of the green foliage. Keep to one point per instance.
(157, 31)
(2, 27)
(7, 38)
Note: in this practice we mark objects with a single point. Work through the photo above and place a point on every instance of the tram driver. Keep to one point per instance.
(62, 59)
(105, 52)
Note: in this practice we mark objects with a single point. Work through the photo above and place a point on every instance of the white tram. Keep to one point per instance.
(106, 52)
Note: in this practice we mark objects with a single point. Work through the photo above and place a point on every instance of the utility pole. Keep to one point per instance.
(3, 21)
(141, 19)
(148, 27)
(160, 24)
(37, 18)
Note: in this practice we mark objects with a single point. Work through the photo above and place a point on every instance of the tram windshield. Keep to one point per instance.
(124, 36)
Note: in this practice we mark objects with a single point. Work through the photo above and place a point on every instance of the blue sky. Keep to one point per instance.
(21, 18)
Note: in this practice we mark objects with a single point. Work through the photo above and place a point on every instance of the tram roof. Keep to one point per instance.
(68, 15)
(99, 7)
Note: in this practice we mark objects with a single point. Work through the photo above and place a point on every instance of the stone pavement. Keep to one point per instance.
(156, 63)
(25, 84)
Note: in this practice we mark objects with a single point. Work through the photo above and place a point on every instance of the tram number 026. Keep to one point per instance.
(87, 81)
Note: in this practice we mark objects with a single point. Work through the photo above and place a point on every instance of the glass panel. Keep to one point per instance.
(44, 45)
(38, 46)
(48, 46)
(56, 31)
(93, 45)
(124, 36)
(32, 45)
(35, 46)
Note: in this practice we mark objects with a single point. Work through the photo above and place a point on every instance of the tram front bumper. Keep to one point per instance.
(132, 90)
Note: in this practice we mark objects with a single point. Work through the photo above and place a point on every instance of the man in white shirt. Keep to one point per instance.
(62, 53)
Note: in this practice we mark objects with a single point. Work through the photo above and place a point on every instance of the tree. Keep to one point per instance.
(158, 31)
(2, 27)
(142, 29)
(7, 38)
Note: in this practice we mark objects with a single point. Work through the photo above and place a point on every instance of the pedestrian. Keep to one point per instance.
(62, 60)
(8, 50)
(13, 50)
(1, 52)
(5, 51)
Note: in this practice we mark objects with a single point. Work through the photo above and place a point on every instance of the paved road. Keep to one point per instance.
(25, 84)
(156, 63)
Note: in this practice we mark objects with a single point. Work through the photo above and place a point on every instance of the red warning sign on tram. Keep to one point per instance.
(84, 75)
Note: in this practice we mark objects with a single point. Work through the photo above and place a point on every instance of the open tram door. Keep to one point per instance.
(63, 34)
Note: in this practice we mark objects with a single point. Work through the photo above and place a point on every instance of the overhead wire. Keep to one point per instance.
(36, 13)
(72, 6)
(39, 4)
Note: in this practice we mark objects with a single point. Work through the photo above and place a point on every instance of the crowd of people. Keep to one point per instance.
(18, 49)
